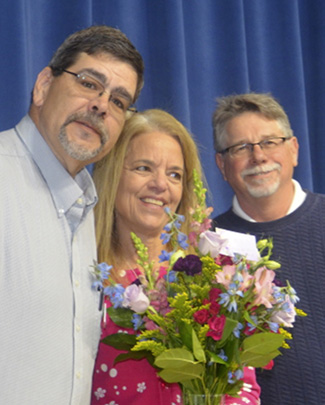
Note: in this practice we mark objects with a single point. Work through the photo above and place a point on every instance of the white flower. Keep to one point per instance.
(287, 315)
(211, 242)
(135, 299)
(100, 393)
(141, 387)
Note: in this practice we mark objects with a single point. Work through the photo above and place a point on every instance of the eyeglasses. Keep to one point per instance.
(245, 149)
(91, 88)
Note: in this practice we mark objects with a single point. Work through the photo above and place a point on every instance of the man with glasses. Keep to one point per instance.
(256, 153)
(50, 317)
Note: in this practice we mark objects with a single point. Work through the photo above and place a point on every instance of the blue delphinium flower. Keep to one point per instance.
(165, 237)
(234, 377)
(104, 269)
(171, 276)
(101, 273)
(182, 240)
(228, 299)
(251, 326)
(274, 327)
(222, 355)
(292, 294)
(97, 285)
(237, 330)
(115, 293)
(136, 321)
(165, 256)
(278, 294)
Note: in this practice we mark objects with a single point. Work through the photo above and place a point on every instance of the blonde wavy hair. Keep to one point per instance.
(107, 174)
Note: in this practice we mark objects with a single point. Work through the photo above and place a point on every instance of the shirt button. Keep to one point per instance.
(78, 375)
(77, 283)
(78, 328)
(79, 201)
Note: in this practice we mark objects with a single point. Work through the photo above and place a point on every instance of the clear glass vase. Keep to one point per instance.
(202, 399)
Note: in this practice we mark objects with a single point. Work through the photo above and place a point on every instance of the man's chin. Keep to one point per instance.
(260, 191)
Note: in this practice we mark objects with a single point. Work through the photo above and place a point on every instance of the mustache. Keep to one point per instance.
(261, 169)
(91, 119)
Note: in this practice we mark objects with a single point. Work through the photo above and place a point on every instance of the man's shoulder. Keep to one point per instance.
(11, 144)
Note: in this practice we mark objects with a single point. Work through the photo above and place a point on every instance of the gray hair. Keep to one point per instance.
(230, 107)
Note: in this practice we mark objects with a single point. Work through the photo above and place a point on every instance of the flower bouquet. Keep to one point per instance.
(205, 316)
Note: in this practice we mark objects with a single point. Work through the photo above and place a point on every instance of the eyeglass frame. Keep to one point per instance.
(78, 75)
(252, 144)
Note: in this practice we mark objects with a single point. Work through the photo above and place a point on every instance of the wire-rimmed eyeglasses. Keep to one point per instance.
(245, 149)
(91, 88)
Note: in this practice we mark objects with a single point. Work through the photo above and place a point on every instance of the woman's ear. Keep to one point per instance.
(42, 86)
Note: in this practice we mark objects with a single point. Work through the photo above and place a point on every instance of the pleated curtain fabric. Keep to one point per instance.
(194, 52)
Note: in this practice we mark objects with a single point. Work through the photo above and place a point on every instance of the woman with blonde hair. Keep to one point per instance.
(149, 169)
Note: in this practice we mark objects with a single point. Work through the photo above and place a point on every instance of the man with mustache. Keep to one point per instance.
(50, 316)
(256, 153)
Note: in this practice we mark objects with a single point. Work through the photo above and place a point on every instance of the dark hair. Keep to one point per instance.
(94, 40)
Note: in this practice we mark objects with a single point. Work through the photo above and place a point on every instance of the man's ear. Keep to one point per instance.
(42, 86)
(221, 164)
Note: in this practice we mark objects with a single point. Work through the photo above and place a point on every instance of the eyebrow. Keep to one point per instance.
(120, 90)
(151, 162)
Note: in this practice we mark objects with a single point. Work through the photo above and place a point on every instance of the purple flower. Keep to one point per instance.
(135, 298)
(211, 242)
(189, 264)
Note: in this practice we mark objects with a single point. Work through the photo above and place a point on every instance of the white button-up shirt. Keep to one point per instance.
(49, 316)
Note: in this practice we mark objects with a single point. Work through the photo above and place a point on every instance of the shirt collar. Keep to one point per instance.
(65, 189)
(298, 199)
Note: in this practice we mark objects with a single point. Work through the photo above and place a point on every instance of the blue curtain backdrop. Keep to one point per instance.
(194, 52)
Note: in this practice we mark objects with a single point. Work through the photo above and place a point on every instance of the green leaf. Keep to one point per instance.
(120, 341)
(178, 375)
(174, 358)
(217, 359)
(185, 331)
(197, 348)
(258, 360)
(227, 330)
(263, 343)
(121, 316)
(144, 354)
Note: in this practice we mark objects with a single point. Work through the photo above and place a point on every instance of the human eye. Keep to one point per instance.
(269, 143)
(89, 83)
(119, 102)
(142, 168)
(239, 149)
(176, 176)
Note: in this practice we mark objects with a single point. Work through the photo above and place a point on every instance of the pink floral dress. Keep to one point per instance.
(135, 382)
